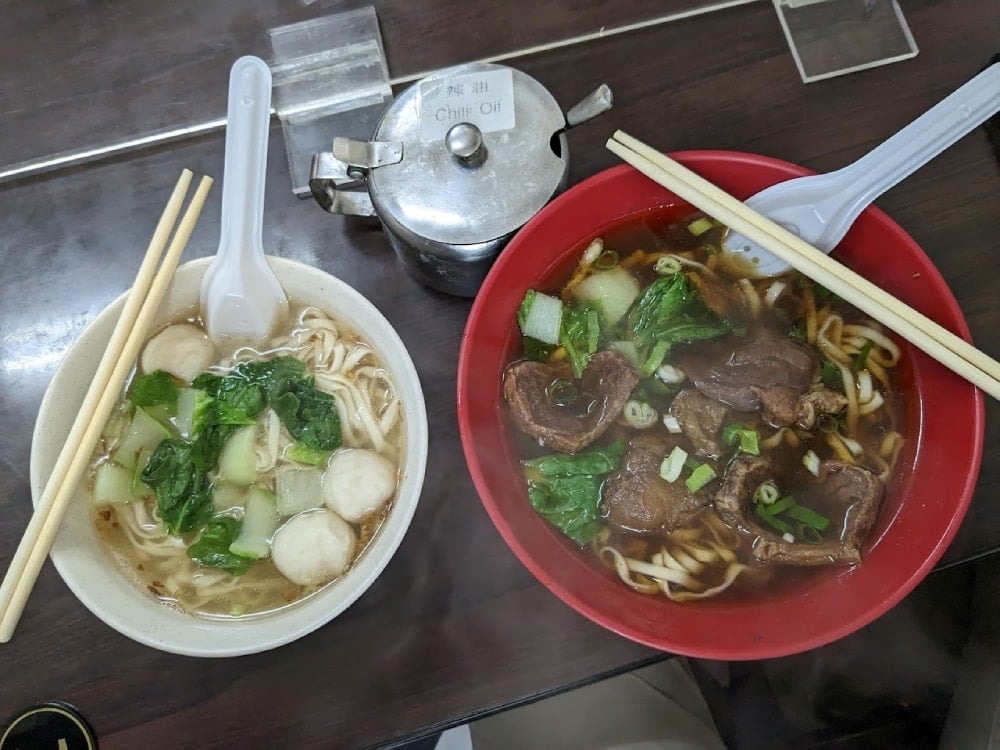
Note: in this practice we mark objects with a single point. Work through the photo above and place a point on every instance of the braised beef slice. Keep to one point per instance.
(700, 419)
(608, 380)
(855, 490)
(782, 406)
(740, 375)
(814, 403)
(638, 499)
(778, 404)
(743, 476)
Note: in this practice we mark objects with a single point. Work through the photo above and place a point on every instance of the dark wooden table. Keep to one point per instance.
(455, 628)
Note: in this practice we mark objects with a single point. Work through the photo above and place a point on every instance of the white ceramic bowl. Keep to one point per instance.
(103, 588)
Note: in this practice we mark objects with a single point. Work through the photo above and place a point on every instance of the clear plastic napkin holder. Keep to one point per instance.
(329, 79)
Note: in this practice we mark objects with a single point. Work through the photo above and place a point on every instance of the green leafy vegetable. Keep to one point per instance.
(281, 383)
(831, 376)
(566, 489)
(658, 306)
(212, 549)
(233, 390)
(308, 413)
(668, 312)
(177, 470)
(153, 389)
(536, 350)
(193, 411)
(183, 492)
(306, 455)
(569, 504)
(579, 335)
(207, 446)
(596, 461)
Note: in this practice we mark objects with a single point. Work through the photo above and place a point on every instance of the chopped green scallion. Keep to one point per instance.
(768, 493)
(747, 438)
(700, 477)
(606, 260)
(765, 514)
(811, 461)
(698, 227)
(808, 534)
(780, 506)
(862, 359)
(562, 392)
(671, 466)
(639, 414)
(667, 265)
(809, 517)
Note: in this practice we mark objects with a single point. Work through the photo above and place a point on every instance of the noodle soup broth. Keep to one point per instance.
(852, 375)
(157, 556)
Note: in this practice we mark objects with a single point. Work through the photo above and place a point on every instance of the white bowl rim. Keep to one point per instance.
(118, 602)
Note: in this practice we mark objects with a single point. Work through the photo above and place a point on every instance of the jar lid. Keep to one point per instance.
(478, 156)
(48, 725)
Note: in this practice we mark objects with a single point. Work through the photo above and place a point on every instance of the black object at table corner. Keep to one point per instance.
(52, 725)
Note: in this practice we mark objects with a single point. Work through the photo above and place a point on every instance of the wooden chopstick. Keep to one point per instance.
(127, 338)
(933, 339)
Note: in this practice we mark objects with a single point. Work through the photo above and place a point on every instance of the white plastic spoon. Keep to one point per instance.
(241, 299)
(821, 208)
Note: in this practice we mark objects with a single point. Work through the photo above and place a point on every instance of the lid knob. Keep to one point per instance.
(465, 141)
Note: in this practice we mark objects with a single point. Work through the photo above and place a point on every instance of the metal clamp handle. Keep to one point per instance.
(337, 191)
(333, 174)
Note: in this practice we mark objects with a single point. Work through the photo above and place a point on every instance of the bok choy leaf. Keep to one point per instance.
(579, 335)
(668, 312)
(566, 489)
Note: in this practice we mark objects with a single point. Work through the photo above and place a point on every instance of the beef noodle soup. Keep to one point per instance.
(699, 430)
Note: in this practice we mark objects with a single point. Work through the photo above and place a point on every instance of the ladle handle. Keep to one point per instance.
(248, 120)
(938, 128)
(597, 101)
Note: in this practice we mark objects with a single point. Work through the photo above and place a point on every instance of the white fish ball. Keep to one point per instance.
(358, 482)
(313, 547)
(183, 350)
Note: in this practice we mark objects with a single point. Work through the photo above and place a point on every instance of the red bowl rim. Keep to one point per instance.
(951, 317)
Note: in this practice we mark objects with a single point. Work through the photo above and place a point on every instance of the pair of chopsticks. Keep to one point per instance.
(116, 364)
(934, 340)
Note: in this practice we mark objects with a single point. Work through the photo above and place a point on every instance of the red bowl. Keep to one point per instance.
(916, 524)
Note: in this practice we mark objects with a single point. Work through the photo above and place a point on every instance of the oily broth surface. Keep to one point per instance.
(262, 589)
